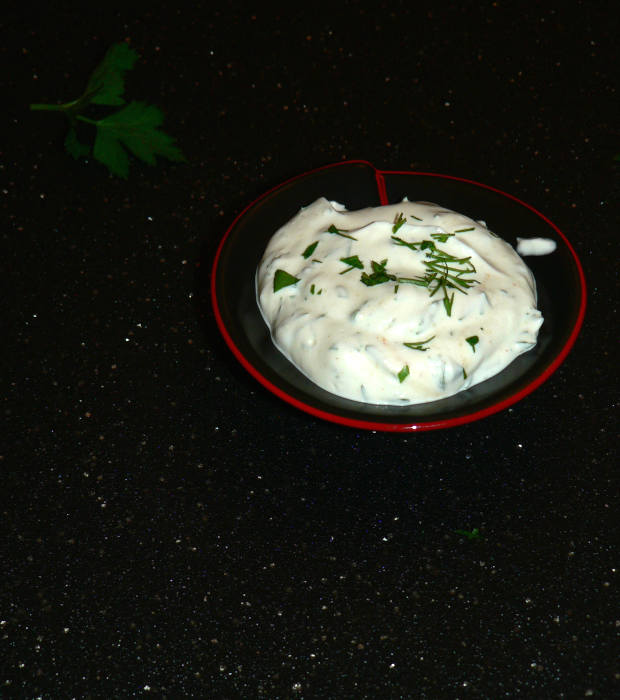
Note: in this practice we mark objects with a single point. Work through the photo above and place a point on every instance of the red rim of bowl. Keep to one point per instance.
(421, 425)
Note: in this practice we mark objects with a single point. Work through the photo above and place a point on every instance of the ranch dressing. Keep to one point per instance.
(399, 304)
(535, 246)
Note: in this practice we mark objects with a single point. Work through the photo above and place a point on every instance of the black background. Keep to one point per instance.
(168, 527)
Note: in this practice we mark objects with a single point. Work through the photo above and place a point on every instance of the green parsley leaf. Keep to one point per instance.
(136, 128)
(403, 374)
(353, 261)
(378, 276)
(473, 341)
(75, 147)
(106, 84)
(310, 249)
(283, 279)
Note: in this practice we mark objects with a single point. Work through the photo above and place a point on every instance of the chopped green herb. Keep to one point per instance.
(315, 260)
(339, 232)
(473, 341)
(464, 230)
(419, 344)
(378, 276)
(443, 271)
(353, 261)
(441, 237)
(417, 218)
(415, 245)
(399, 220)
(134, 128)
(395, 289)
(470, 534)
(283, 279)
(419, 281)
(464, 373)
(447, 302)
(403, 374)
(310, 249)
(311, 289)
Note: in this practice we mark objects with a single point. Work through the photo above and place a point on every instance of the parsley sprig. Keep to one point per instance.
(134, 128)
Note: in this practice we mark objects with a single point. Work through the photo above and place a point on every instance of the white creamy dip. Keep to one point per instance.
(445, 303)
(535, 246)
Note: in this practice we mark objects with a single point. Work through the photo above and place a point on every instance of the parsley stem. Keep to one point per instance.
(86, 120)
(67, 107)
(47, 108)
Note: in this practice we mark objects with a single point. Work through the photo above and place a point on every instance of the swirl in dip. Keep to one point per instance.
(399, 304)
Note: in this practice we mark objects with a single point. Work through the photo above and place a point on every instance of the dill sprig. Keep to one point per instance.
(443, 271)
(419, 344)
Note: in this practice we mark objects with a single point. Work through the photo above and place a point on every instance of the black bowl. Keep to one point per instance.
(357, 184)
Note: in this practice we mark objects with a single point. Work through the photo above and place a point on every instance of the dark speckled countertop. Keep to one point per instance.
(171, 529)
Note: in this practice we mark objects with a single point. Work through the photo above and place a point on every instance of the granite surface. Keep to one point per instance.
(169, 528)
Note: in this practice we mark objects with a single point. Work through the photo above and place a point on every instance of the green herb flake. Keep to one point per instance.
(134, 128)
(339, 232)
(354, 262)
(447, 302)
(311, 289)
(283, 279)
(464, 373)
(443, 270)
(470, 534)
(399, 220)
(310, 249)
(464, 230)
(403, 374)
(473, 341)
(419, 344)
(441, 237)
(378, 276)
